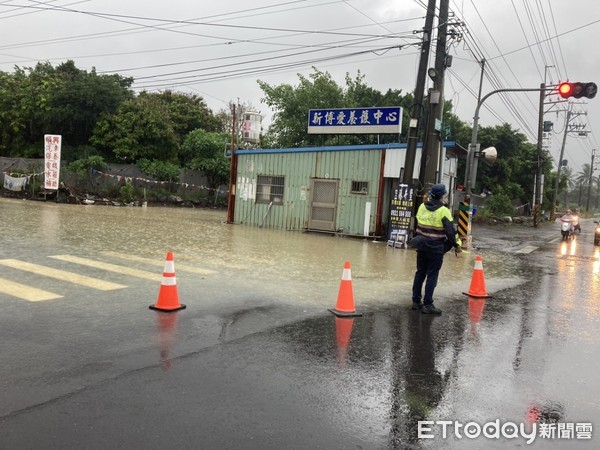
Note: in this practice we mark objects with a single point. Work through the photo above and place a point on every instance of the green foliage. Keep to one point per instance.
(83, 168)
(152, 126)
(206, 152)
(514, 171)
(127, 192)
(141, 128)
(500, 205)
(160, 170)
(59, 100)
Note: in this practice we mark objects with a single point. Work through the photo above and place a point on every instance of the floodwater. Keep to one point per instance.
(256, 361)
(296, 266)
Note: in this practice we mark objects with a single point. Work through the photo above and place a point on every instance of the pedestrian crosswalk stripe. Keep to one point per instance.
(110, 267)
(62, 275)
(25, 292)
(160, 263)
(527, 249)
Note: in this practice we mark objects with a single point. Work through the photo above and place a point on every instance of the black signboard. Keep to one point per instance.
(401, 207)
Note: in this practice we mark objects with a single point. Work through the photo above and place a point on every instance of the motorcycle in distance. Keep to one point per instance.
(596, 232)
(566, 230)
(575, 221)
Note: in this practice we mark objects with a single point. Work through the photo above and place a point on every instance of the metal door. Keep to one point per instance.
(323, 206)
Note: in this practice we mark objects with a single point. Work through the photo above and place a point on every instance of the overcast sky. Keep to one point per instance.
(218, 49)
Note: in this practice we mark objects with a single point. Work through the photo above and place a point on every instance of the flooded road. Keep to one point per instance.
(257, 361)
(306, 266)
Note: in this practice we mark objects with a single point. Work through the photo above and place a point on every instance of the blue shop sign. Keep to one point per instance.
(376, 120)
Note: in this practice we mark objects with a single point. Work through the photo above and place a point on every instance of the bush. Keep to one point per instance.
(500, 205)
(127, 192)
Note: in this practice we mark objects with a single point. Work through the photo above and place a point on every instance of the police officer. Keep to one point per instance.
(435, 235)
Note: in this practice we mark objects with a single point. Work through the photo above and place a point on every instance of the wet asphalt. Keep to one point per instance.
(258, 374)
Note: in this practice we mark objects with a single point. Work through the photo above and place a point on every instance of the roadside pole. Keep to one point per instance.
(474, 153)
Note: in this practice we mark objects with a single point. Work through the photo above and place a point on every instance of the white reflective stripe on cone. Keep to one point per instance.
(346, 275)
(169, 281)
(478, 265)
(170, 267)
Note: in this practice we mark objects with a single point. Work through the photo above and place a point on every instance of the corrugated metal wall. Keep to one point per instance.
(298, 168)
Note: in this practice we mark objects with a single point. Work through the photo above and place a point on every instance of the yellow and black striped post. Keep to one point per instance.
(465, 214)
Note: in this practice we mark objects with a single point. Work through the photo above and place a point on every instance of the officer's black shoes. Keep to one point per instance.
(430, 309)
(416, 306)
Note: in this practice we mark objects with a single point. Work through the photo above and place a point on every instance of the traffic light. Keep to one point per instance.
(577, 90)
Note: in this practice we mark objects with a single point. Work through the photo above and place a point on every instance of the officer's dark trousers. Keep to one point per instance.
(428, 269)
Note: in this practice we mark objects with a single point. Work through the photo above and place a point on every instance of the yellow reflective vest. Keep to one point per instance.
(430, 223)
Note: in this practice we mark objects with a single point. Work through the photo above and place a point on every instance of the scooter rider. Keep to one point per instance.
(568, 217)
(576, 216)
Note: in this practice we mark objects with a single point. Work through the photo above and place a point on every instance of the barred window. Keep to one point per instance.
(360, 187)
(269, 188)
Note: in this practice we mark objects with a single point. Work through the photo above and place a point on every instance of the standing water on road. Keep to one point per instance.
(297, 266)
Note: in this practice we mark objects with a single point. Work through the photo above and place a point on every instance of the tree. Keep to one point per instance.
(141, 129)
(583, 181)
(291, 105)
(48, 100)
(514, 171)
(205, 151)
(567, 182)
(153, 126)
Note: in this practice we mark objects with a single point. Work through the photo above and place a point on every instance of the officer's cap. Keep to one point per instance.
(438, 190)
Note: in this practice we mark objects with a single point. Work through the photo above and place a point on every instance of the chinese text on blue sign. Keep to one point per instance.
(386, 119)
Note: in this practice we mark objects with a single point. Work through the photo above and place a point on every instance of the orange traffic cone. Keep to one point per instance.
(477, 288)
(168, 300)
(345, 301)
(343, 330)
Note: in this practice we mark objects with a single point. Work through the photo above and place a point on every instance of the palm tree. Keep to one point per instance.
(567, 173)
(597, 180)
(583, 179)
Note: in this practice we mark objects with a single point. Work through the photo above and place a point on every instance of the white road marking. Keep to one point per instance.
(62, 275)
(25, 292)
(110, 267)
(527, 249)
(155, 262)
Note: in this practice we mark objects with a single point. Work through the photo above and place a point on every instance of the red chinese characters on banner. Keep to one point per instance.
(52, 145)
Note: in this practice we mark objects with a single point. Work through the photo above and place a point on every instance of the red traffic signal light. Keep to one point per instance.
(565, 90)
(577, 90)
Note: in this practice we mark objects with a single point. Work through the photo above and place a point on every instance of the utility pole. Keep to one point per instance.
(560, 161)
(430, 169)
(538, 179)
(417, 107)
(232, 171)
(474, 153)
(587, 203)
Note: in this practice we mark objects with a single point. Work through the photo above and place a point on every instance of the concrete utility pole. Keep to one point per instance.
(429, 173)
(232, 171)
(417, 107)
(538, 179)
(560, 160)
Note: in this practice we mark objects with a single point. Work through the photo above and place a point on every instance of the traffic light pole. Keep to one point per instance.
(471, 169)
